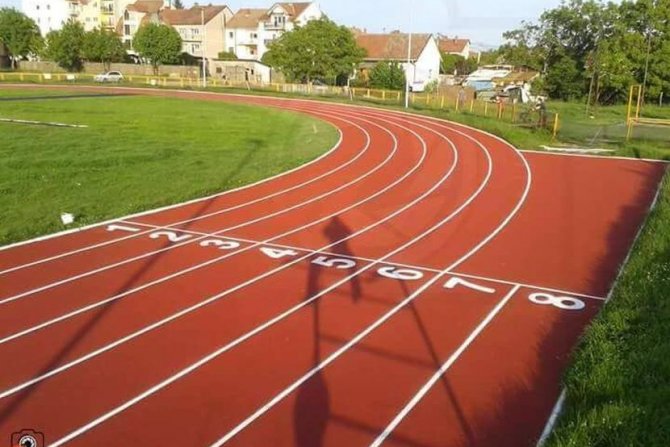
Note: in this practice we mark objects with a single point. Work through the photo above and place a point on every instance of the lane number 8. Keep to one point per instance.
(562, 302)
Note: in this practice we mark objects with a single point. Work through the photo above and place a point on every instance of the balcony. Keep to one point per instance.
(105, 10)
(274, 26)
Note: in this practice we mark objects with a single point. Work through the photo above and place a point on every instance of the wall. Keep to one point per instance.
(126, 69)
(427, 66)
(241, 71)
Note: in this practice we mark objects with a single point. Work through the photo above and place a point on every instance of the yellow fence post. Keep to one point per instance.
(486, 108)
(556, 124)
(384, 95)
(442, 102)
(472, 105)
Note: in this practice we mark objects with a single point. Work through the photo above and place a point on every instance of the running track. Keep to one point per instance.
(421, 284)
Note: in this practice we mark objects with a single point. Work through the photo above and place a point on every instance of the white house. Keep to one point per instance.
(250, 31)
(460, 47)
(424, 65)
(50, 15)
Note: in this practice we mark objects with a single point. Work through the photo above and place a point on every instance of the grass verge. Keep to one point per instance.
(138, 153)
(618, 389)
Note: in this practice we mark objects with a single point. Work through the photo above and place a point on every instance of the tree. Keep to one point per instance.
(227, 56)
(178, 4)
(455, 63)
(103, 46)
(320, 49)
(387, 75)
(65, 46)
(19, 33)
(160, 44)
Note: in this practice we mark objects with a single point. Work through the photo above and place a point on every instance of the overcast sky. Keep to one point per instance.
(483, 21)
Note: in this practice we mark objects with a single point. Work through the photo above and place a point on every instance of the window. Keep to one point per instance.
(195, 31)
(126, 30)
(252, 52)
(254, 35)
(126, 15)
(38, 7)
(231, 49)
(230, 34)
(48, 6)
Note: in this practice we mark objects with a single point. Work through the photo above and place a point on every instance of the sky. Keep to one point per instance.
(482, 21)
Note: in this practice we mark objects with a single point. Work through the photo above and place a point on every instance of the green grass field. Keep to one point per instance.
(138, 153)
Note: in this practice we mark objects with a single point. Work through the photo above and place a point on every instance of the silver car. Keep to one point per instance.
(110, 76)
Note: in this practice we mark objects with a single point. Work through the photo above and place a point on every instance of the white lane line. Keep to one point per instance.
(408, 300)
(422, 268)
(234, 343)
(190, 202)
(220, 258)
(445, 366)
(529, 286)
(602, 157)
(240, 286)
(190, 241)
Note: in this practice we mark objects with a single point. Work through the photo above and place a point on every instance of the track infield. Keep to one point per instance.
(422, 284)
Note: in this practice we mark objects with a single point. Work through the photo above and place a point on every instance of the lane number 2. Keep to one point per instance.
(170, 235)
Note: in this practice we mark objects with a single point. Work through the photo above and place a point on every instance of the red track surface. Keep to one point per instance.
(127, 337)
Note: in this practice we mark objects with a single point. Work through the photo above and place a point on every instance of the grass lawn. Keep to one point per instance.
(138, 153)
(619, 385)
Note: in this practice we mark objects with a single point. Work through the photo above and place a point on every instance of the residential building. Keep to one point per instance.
(250, 31)
(460, 47)
(202, 29)
(51, 15)
(135, 15)
(424, 57)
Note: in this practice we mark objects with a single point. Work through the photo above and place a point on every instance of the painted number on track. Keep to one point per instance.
(170, 235)
(277, 253)
(401, 274)
(454, 282)
(562, 302)
(221, 245)
(115, 227)
(338, 263)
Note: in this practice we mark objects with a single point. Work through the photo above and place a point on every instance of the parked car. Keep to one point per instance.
(110, 76)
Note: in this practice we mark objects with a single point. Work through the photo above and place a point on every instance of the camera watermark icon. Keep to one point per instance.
(27, 438)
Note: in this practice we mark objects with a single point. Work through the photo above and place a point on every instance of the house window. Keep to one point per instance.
(230, 34)
(38, 7)
(252, 52)
(279, 20)
(195, 47)
(48, 6)
(126, 15)
(126, 30)
(195, 31)
(254, 35)
(231, 49)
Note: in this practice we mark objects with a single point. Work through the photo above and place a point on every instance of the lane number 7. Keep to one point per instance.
(455, 281)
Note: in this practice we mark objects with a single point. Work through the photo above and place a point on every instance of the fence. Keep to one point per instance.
(577, 131)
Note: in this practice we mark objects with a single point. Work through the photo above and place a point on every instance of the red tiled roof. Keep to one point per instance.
(146, 6)
(293, 9)
(392, 46)
(448, 45)
(247, 18)
(191, 16)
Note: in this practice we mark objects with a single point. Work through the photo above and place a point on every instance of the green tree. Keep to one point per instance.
(160, 44)
(178, 4)
(455, 63)
(19, 34)
(320, 49)
(387, 75)
(103, 46)
(227, 56)
(65, 46)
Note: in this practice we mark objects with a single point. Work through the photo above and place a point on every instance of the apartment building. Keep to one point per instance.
(51, 15)
(202, 29)
(250, 31)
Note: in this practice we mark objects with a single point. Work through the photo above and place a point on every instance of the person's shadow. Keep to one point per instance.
(312, 405)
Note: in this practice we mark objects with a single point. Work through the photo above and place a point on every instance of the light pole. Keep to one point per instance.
(409, 60)
(202, 45)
